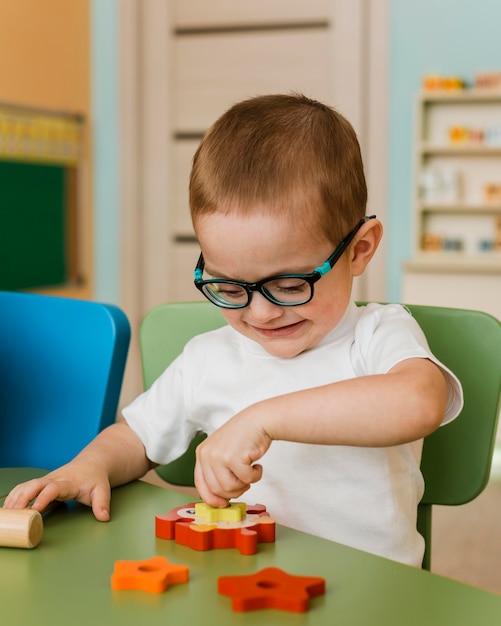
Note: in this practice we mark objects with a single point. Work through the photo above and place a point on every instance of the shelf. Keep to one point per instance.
(461, 96)
(459, 150)
(463, 209)
(455, 262)
(456, 255)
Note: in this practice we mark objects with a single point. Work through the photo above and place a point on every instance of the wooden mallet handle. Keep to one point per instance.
(20, 528)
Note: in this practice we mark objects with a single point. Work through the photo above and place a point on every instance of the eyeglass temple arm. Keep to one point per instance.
(329, 264)
(199, 270)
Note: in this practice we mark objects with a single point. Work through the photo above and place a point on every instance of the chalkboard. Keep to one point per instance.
(34, 225)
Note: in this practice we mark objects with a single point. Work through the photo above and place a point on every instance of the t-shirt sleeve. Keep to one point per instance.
(158, 416)
(385, 336)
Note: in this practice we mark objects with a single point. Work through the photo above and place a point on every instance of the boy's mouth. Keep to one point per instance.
(282, 331)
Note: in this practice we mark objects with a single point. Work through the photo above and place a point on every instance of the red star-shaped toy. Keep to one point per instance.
(153, 575)
(271, 588)
(243, 529)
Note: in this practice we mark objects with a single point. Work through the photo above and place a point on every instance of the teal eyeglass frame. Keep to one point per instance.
(311, 278)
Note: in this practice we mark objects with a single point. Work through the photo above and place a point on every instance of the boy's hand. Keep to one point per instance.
(115, 457)
(66, 483)
(225, 466)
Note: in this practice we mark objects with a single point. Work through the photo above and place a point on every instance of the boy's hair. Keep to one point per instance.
(283, 154)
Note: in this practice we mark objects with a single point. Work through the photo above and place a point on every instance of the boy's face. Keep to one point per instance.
(253, 247)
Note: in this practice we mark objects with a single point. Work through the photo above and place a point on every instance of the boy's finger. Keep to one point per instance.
(52, 491)
(247, 474)
(21, 495)
(100, 502)
(205, 493)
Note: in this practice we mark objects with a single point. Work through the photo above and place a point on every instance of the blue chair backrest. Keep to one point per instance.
(61, 370)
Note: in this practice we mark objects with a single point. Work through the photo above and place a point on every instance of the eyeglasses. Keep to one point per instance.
(282, 289)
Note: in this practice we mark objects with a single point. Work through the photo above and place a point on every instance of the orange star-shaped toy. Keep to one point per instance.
(271, 588)
(153, 575)
(193, 525)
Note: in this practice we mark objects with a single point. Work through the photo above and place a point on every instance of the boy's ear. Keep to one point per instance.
(365, 245)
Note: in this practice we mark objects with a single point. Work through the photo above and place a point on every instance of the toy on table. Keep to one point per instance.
(202, 527)
(271, 588)
(20, 528)
(153, 575)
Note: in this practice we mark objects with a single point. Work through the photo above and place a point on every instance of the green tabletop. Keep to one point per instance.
(66, 579)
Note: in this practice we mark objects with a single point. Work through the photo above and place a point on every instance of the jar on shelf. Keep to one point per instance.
(441, 186)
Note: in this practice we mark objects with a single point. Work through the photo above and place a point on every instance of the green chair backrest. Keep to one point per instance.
(163, 334)
(167, 328)
(456, 458)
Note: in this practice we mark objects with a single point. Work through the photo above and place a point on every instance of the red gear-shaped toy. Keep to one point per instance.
(194, 531)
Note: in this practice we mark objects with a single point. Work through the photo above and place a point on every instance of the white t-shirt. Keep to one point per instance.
(363, 497)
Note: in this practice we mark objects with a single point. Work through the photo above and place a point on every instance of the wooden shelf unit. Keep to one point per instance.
(456, 253)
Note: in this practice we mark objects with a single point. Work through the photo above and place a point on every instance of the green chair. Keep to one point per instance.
(162, 337)
(456, 458)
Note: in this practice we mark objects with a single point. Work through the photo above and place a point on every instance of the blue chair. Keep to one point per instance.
(61, 370)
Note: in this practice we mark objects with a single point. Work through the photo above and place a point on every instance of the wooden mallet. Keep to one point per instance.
(20, 528)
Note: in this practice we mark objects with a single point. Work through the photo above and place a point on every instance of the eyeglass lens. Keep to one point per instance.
(287, 290)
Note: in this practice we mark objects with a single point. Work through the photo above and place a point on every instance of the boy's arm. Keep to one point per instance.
(116, 456)
(403, 405)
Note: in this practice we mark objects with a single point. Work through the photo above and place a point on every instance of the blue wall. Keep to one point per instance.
(458, 37)
(106, 154)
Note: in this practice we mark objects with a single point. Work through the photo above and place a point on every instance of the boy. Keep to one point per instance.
(313, 406)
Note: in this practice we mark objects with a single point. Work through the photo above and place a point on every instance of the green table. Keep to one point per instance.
(66, 579)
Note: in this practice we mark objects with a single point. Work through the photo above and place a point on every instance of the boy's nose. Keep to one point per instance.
(262, 310)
